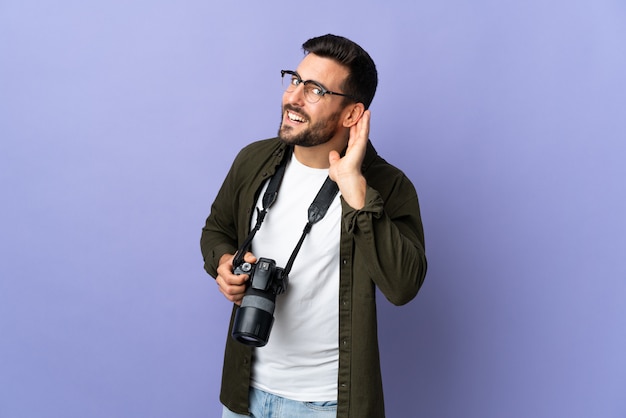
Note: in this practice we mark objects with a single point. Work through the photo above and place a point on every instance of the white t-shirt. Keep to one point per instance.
(301, 359)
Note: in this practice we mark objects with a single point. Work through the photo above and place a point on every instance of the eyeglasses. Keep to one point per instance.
(313, 91)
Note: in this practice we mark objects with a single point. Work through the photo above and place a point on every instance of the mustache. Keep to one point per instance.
(296, 109)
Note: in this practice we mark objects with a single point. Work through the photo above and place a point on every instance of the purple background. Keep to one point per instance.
(119, 119)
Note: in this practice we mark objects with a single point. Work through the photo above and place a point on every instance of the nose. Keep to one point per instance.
(295, 97)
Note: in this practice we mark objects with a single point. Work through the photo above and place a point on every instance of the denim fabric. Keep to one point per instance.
(266, 405)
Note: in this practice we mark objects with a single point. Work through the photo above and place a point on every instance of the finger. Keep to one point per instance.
(230, 279)
(226, 259)
(232, 286)
(333, 156)
(232, 289)
(362, 128)
(249, 257)
(235, 297)
(359, 135)
(224, 270)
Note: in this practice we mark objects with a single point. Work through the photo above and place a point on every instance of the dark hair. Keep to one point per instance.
(363, 77)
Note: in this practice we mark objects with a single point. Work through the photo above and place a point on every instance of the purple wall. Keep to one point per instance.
(118, 121)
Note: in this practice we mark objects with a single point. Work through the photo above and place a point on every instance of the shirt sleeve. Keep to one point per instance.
(219, 234)
(389, 243)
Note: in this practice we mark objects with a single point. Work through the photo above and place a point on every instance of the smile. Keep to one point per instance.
(295, 117)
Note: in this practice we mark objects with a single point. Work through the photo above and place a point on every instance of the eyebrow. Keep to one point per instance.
(313, 81)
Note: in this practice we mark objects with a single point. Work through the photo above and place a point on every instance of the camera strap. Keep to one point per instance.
(316, 212)
(270, 196)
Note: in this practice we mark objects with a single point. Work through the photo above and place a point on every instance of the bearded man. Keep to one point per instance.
(321, 357)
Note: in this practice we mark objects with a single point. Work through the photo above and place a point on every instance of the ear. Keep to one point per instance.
(352, 114)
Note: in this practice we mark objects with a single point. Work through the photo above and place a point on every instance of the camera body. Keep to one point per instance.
(255, 317)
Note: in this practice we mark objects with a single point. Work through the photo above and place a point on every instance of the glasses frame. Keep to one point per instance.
(324, 90)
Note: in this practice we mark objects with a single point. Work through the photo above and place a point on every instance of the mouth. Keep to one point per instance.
(295, 117)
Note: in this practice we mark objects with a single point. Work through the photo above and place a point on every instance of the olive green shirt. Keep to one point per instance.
(381, 245)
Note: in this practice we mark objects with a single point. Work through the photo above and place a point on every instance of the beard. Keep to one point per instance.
(317, 134)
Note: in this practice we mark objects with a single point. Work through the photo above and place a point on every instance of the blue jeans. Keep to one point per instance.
(266, 405)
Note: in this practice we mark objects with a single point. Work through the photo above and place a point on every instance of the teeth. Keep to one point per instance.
(295, 117)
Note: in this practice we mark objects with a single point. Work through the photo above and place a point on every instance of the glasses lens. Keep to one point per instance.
(313, 92)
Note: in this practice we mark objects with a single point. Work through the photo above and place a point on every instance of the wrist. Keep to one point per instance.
(353, 191)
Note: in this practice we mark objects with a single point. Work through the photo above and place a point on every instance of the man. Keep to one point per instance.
(322, 357)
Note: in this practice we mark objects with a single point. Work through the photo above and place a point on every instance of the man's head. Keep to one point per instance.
(327, 93)
(362, 75)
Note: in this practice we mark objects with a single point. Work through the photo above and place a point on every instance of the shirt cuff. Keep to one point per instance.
(354, 219)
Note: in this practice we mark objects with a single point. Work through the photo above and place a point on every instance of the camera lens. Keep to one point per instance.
(255, 316)
(253, 326)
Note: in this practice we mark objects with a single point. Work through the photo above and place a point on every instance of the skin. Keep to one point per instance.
(335, 126)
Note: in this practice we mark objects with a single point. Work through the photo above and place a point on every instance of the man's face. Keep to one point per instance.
(309, 124)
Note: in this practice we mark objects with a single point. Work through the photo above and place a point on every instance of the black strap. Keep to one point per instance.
(272, 189)
(317, 211)
(270, 196)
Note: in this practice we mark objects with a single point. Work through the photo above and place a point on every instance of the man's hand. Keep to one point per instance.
(232, 286)
(346, 170)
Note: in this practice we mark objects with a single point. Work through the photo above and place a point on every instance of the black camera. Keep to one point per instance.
(254, 318)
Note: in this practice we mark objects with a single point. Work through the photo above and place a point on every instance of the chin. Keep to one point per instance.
(304, 138)
(287, 134)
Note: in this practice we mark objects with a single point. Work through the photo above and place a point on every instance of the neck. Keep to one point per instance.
(317, 156)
